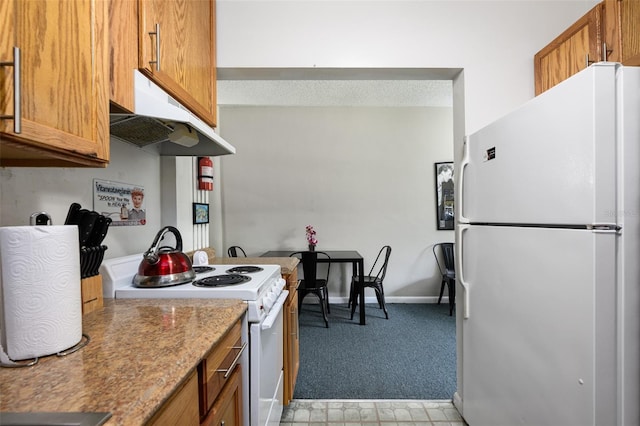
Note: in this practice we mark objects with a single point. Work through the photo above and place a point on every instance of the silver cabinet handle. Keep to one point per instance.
(157, 34)
(17, 117)
(587, 61)
(228, 371)
(605, 52)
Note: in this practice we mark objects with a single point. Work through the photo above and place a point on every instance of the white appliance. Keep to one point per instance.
(161, 121)
(265, 296)
(548, 258)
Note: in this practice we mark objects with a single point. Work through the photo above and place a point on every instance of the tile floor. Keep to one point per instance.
(316, 412)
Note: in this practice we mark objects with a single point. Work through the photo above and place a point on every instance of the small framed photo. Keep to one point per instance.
(200, 213)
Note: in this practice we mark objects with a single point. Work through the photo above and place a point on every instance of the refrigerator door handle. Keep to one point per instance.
(460, 183)
(460, 230)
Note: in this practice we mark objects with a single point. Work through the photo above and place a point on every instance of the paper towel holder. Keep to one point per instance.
(40, 218)
(31, 362)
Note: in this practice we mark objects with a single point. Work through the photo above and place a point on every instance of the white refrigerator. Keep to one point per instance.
(548, 258)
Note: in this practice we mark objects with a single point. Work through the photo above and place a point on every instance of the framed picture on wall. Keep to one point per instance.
(444, 196)
(200, 213)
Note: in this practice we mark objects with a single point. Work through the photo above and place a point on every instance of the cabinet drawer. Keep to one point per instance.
(215, 370)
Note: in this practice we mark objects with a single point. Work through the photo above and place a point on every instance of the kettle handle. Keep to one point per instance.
(152, 254)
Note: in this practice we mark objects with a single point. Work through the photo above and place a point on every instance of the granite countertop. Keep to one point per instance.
(140, 351)
(287, 264)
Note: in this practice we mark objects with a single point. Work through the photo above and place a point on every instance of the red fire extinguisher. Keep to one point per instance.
(205, 174)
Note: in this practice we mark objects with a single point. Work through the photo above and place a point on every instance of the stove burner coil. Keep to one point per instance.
(222, 280)
(201, 269)
(245, 269)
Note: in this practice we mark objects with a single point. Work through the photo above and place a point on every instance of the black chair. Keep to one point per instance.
(443, 253)
(373, 281)
(310, 283)
(234, 250)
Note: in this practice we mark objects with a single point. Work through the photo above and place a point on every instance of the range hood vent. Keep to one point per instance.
(160, 121)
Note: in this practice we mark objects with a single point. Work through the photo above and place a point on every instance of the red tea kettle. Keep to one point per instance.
(163, 266)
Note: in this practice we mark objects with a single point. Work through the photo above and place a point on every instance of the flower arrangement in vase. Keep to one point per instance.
(311, 237)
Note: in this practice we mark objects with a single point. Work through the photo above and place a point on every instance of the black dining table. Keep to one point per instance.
(336, 256)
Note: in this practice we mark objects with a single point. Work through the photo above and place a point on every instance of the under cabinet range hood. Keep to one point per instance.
(160, 121)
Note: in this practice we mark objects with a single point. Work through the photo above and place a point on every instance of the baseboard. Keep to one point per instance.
(457, 401)
(388, 299)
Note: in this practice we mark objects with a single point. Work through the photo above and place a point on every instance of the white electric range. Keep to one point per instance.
(262, 288)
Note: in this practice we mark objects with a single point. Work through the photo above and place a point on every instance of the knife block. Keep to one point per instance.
(91, 293)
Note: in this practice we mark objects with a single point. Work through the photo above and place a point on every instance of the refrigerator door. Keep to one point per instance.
(539, 342)
(552, 161)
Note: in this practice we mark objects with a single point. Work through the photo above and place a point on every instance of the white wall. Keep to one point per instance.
(363, 177)
(494, 41)
(27, 190)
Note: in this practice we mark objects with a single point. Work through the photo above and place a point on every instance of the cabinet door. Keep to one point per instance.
(571, 51)
(292, 338)
(63, 92)
(227, 410)
(623, 31)
(181, 408)
(177, 51)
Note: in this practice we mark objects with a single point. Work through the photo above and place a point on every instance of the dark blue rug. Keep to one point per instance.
(412, 355)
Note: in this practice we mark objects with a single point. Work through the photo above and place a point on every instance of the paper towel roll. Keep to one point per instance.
(40, 295)
(200, 258)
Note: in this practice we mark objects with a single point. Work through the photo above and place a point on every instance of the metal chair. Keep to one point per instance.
(233, 251)
(310, 283)
(372, 280)
(443, 253)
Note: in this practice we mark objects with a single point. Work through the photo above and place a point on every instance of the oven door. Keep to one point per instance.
(266, 358)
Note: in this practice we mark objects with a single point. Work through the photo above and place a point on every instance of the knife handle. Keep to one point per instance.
(72, 215)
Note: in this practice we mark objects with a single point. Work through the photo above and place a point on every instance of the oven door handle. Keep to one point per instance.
(275, 311)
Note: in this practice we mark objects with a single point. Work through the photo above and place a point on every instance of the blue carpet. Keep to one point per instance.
(412, 355)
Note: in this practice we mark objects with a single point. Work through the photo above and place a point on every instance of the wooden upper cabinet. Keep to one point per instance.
(570, 52)
(177, 51)
(622, 31)
(612, 25)
(54, 56)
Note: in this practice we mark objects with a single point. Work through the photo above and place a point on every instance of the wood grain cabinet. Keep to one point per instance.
(54, 83)
(291, 337)
(622, 31)
(609, 31)
(182, 406)
(227, 409)
(172, 43)
(571, 51)
(219, 377)
(212, 395)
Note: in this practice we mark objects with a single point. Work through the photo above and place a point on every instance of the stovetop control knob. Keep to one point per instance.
(269, 300)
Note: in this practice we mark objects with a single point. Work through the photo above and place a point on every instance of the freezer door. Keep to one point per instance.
(551, 161)
(540, 337)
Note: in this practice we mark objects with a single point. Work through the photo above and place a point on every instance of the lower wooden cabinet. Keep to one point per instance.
(182, 407)
(227, 409)
(212, 395)
(216, 376)
(291, 337)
